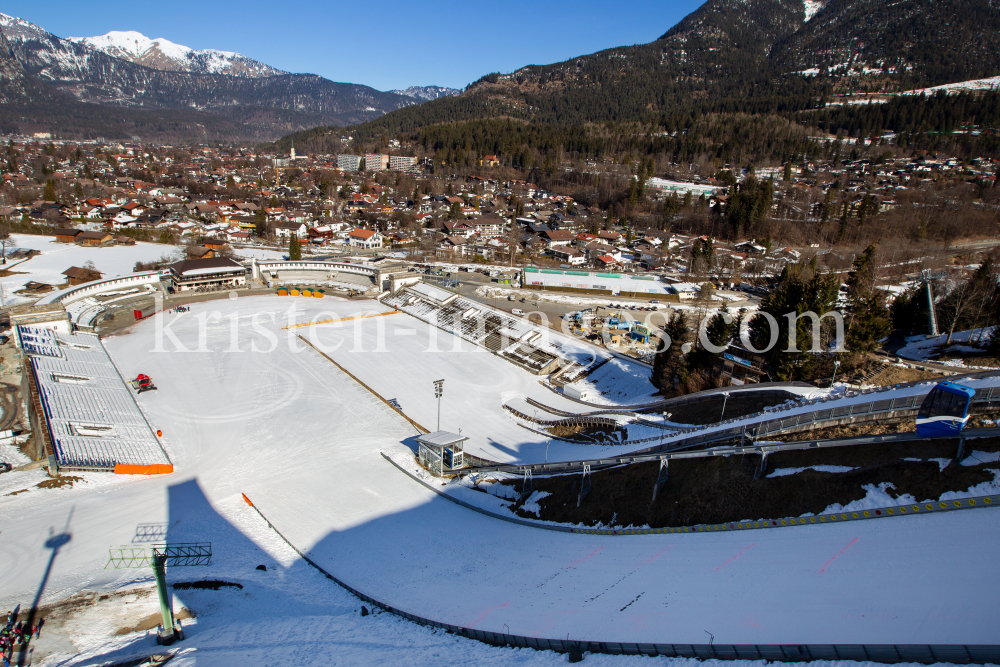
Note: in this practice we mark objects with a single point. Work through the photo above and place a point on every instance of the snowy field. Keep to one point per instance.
(618, 383)
(303, 441)
(57, 257)
(922, 348)
(261, 253)
(991, 83)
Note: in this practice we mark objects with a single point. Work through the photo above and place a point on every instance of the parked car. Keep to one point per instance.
(5, 467)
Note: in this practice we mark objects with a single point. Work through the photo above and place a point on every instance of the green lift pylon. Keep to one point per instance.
(159, 556)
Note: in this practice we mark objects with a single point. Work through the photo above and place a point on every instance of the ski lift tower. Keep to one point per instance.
(932, 324)
(159, 556)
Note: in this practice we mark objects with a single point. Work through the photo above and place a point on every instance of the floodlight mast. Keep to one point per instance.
(166, 612)
(438, 392)
(159, 556)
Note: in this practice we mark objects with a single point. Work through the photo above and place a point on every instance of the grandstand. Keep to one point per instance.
(80, 404)
(534, 348)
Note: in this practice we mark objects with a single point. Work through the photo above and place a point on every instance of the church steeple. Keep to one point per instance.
(293, 150)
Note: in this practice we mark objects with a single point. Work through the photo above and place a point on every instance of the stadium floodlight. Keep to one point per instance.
(438, 393)
(159, 556)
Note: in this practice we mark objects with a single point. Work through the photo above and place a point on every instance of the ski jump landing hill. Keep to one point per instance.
(270, 417)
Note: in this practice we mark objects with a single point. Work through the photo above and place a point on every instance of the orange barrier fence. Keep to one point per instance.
(134, 469)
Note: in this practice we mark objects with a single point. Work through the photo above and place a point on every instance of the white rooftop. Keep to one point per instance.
(441, 438)
(433, 293)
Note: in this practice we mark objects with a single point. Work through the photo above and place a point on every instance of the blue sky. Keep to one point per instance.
(385, 44)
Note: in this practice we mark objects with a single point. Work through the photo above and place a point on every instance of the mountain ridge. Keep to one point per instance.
(740, 55)
(162, 54)
(288, 102)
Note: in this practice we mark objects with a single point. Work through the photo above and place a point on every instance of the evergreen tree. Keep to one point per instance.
(671, 206)
(294, 248)
(260, 222)
(749, 204)
(50, 191)
(869, 317)
(795, 294)
(720, 332)
(669, 368)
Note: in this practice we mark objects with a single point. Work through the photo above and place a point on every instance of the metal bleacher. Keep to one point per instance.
(496, 331)
(91, 413)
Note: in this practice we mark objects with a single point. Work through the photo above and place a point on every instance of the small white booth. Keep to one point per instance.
(441, 450)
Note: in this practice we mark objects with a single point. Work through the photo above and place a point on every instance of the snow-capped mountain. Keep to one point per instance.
(164, 55)
(427, 93)
(248, 98)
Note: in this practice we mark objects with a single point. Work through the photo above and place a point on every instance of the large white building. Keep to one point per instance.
(623, 284)
(376, 161)
(348, 162)
(401, 162)
(661, 186)
(213, 272)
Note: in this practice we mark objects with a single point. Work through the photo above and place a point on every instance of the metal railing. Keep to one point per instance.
(985, 398)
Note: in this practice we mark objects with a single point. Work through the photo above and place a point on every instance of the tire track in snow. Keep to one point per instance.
(571, 566)
(636, 569)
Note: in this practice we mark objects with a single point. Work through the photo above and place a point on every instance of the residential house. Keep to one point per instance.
(283, 230)
(201, 252)
(135, 209)
(557, 237)
(321, 233)
(66, 235)
(95, 239)
(365, 238)
(487, 226)
(606, 262)
(455, 244)
(569, 255)
(76, 275)
(213, 243)
(610, 237)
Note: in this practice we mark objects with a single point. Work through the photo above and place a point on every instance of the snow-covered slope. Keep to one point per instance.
(427, 93)
(813, 6)
(304, 442)
(991, 83)
(163, 54)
